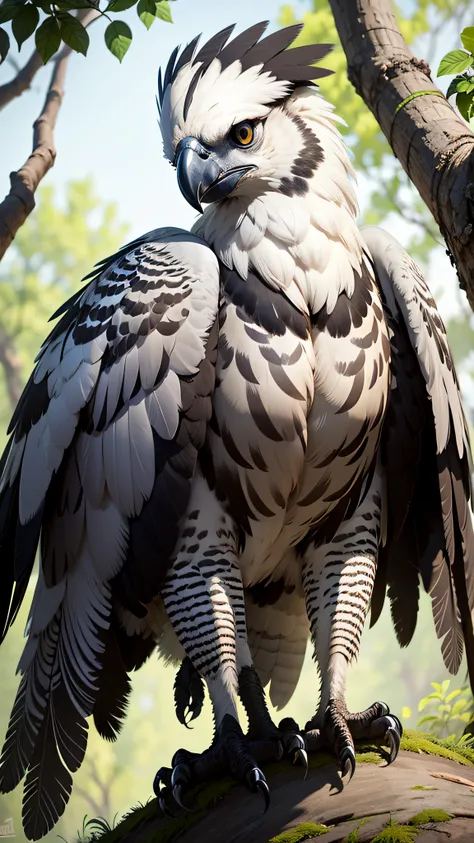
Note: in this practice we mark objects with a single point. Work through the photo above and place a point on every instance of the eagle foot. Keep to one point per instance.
(341, 729)
(231, 753)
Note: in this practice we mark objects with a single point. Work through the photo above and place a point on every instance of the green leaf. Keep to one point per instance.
(48, 39)
(466, 86)
(25, 23)
(118, 37)
(163, 11)
(453, 694)
(458, 707)
(445, 685)
(146, 12)
(467, 38)
(4, 44)
(73, 33)
(465, 104)
(120, 5)
(455, 62)
(9, 9)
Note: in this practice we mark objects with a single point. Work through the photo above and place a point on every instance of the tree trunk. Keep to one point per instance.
(433, 144)
(10, 362)
(320, 807)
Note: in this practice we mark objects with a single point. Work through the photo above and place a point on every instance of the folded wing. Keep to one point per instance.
(427, 460)
(98, 470)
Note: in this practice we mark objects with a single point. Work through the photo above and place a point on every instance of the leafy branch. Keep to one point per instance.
(461, 62)
(54, 22)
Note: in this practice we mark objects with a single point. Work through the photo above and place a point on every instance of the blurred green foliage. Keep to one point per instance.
(448, 712)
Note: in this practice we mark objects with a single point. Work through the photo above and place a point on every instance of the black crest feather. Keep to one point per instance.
(295, 66)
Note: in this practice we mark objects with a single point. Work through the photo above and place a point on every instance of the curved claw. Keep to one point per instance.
(160, 779)
(393, 738)
(301, 756)
(178, 798)
(181, 775)
(165, 810)
(348, 763)
(396, 724)
(257, 782)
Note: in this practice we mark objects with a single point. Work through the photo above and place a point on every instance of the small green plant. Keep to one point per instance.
(447, 712)
(394, 832)
(305, 831)
(461, 62)
(92, 829)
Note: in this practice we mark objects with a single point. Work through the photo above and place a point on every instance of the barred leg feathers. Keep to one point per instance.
(203, 597)
(338, 580)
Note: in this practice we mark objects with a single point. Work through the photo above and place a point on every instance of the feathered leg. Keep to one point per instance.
(338, 579)
(203, 596)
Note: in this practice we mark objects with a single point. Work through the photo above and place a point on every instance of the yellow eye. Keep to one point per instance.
(243, 133)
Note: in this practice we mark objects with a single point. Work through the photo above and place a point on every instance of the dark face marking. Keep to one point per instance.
(306, 164)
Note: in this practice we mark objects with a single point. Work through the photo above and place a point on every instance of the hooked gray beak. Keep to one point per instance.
(200, 177)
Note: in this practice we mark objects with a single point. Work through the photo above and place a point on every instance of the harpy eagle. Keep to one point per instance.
(233, 439)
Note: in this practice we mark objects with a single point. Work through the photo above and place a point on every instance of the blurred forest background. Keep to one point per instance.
(73, 226)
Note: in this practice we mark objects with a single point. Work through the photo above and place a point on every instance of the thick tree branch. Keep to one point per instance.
(433, 144)
(19, 203)
(22, 81)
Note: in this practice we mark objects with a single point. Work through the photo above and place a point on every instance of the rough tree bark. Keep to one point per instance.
(19, 203)
(433, 144)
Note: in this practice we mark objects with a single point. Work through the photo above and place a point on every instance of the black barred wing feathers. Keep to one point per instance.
(427, 460)
(101, 456)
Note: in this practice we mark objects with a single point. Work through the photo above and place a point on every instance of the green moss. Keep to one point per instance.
(427, 744)
(353, 837)
(305, 831)
(395, 833)
(422, 787)
(368, 757)
(430, 815)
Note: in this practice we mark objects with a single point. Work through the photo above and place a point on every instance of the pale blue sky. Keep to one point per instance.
(107, 126)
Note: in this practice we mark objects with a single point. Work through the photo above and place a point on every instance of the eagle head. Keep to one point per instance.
(222, 114)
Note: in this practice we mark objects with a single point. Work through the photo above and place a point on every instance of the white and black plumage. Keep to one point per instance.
(232, 438)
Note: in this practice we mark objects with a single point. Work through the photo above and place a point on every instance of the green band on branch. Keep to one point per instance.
(412, 97)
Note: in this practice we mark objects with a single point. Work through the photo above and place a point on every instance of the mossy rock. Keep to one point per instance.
(382, 804)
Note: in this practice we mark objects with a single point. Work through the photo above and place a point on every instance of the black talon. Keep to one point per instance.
(166, 811)
(178, 798)
(301, 756)
(257, 782)
(181, 775)
(393, 738)
(348, 763)
(162, 774)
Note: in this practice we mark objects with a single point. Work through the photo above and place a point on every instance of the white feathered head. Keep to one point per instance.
(222, 112)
